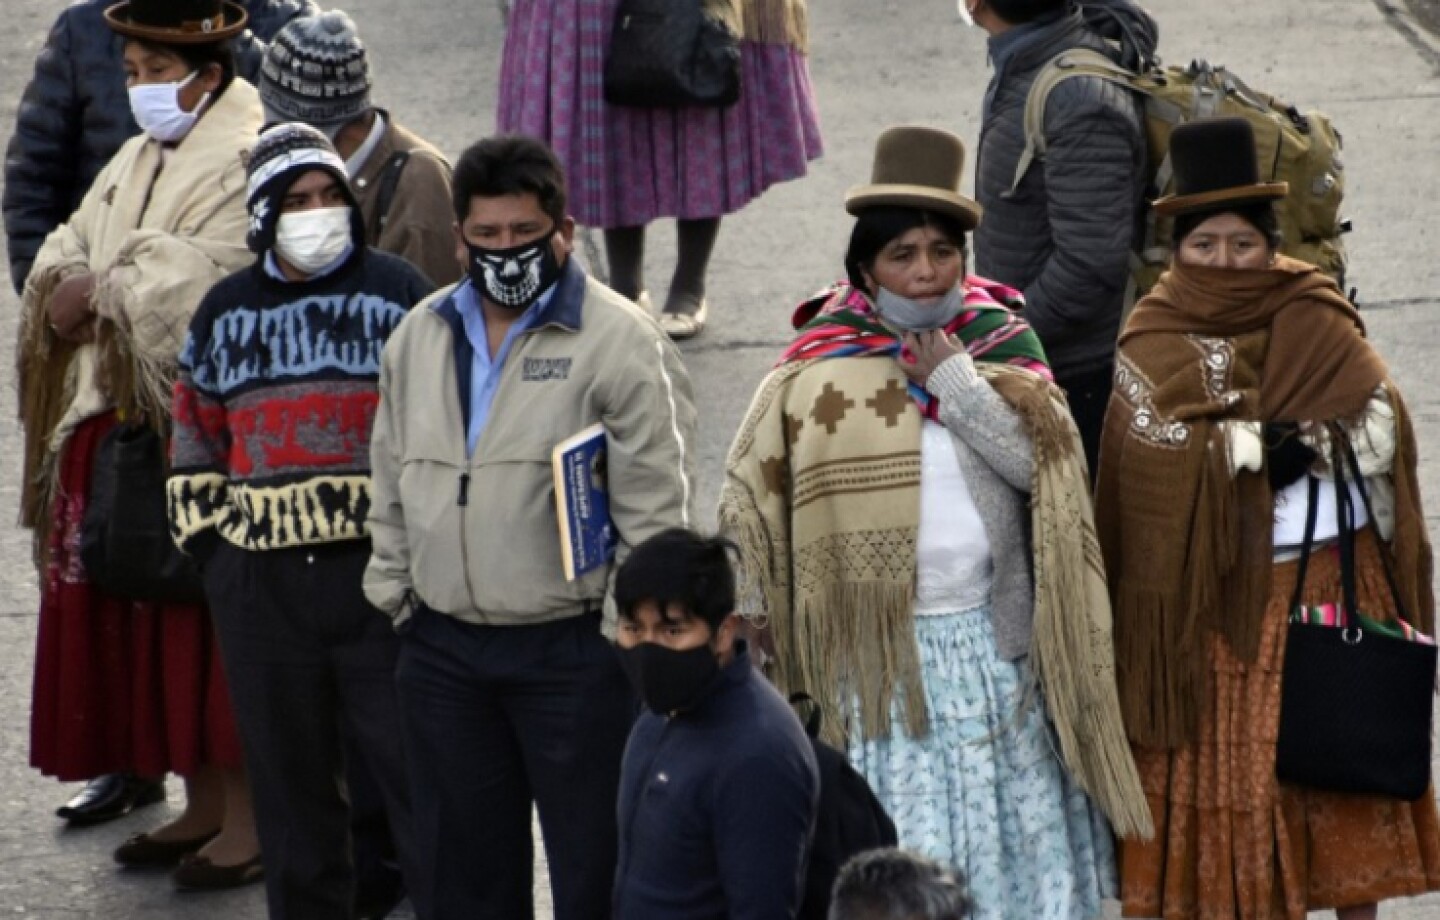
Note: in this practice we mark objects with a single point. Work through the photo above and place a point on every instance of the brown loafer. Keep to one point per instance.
(197, 873)
(143, 851)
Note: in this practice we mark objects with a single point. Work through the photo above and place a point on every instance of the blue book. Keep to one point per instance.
(582, 502)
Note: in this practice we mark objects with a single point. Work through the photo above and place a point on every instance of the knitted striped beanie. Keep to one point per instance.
(281, 155)
(316, 71)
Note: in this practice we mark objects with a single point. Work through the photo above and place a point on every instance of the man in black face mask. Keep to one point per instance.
(719, 788)
(512, 696)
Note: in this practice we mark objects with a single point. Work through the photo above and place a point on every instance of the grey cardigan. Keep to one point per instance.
(997, 458)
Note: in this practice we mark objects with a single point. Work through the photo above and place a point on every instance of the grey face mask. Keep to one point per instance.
(913, 316)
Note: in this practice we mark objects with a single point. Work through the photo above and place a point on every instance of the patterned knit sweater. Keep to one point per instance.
(275, 401)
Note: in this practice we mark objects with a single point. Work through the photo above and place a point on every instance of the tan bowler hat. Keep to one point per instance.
(917, 167)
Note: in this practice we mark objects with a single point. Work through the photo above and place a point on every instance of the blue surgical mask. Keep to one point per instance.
(912, 315)
(965, 15)
(157, 110)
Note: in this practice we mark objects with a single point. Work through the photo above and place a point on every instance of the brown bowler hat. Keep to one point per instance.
(917, 167)
(177, 22)
(1215, 167)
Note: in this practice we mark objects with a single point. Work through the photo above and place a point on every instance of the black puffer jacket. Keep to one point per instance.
(1064, 236)
(75, 114)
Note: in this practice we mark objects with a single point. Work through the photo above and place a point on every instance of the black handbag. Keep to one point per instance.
(1356, 705)
(125, 542)
(671, 54)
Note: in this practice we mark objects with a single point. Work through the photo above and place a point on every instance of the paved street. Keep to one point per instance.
(1368, 63)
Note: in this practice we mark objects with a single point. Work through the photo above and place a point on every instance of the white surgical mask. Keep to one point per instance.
(914, 316)
(156, 107)
(965, 15)
(311, 240)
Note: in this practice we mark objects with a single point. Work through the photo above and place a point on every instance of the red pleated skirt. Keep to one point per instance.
(119, 685)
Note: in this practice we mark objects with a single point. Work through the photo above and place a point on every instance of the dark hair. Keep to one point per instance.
(1261, 216)
(1017, 11)
(509, 164)
(876, 227)
(199, 56)
(678, 566)
(894, 885)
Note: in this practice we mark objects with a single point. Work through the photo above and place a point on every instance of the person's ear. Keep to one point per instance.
(462, 252)
(209, 77)
(726, 633)
(564, 239)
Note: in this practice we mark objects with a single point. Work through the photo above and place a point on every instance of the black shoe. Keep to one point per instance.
(112, 796)
(377, 905)
(142, 852)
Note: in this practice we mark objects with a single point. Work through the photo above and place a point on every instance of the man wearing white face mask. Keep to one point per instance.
(270, 489)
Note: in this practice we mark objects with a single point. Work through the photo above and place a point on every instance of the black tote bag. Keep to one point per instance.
(125, 541)
(671, 54)
(1356, 706)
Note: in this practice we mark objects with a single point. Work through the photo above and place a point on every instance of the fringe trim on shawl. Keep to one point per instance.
(1072, 650)
(46, 389)
(770, 22)
(138, 382)
(856, 641)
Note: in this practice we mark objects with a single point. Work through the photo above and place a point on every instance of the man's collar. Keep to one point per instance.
(357, 161)
(1003, 47)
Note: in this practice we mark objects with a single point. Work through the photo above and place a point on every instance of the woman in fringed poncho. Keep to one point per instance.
(124, 685)
(1227, 374)
(910, 501)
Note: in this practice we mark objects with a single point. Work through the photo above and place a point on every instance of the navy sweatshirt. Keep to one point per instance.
(717, 807)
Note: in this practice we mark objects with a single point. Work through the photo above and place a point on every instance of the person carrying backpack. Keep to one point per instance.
(1063, 236)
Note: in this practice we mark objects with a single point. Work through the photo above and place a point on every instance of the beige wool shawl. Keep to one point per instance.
(771, 22)
(822, 495)
(157, 234)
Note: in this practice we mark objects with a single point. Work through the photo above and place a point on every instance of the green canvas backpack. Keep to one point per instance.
(1301, 149)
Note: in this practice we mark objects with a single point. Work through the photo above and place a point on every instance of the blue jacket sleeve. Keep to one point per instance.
(42, 160)
(764, 819)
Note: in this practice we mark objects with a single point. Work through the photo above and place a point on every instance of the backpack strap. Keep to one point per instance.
(385, 195)
(1075, 62)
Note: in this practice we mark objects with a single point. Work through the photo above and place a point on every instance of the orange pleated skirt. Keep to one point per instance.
(1231, 841)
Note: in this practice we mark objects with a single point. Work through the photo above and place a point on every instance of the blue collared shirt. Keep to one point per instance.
(484, 370)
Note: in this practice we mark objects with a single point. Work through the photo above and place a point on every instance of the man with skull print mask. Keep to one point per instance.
(269, 491)
(511, 694)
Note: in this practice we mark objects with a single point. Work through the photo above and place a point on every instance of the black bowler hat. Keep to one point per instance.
(177, 22)
(1214, 160)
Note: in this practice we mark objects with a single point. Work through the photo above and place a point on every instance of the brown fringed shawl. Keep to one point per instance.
(1188, 546)
(822, 494)
(771, 22)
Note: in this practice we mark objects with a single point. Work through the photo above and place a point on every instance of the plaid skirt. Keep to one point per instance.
(627, 167)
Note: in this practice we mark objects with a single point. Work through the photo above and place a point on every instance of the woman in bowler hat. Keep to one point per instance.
(880, 490)
(1215, 447)
(125, 685)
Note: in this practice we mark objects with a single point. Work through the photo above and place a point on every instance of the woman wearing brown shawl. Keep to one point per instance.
(1226, 375)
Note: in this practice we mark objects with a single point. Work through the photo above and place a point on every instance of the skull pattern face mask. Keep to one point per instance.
(516, 277)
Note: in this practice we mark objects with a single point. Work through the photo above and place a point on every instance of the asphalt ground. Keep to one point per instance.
(1371, 64)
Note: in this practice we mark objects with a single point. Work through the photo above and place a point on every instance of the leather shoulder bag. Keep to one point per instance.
(671, 54)
(1356, 697)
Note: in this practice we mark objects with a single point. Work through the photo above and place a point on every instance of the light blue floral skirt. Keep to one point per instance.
(986, 792)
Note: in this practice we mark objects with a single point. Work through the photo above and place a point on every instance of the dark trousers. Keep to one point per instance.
(1089, 396)
(305, 653)
(497, 718)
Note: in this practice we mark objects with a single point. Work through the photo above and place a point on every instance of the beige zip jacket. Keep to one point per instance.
(477, 537)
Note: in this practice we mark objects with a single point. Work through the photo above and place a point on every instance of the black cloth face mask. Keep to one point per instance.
(667, 680)
(514, 278)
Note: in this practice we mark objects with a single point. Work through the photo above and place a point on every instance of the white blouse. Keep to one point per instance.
(953, 562)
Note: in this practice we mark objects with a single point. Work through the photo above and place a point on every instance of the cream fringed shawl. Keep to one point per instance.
(771, 22)
(156, 239)
(822, 495)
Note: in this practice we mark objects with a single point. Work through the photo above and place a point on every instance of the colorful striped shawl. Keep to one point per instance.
(840, 322)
